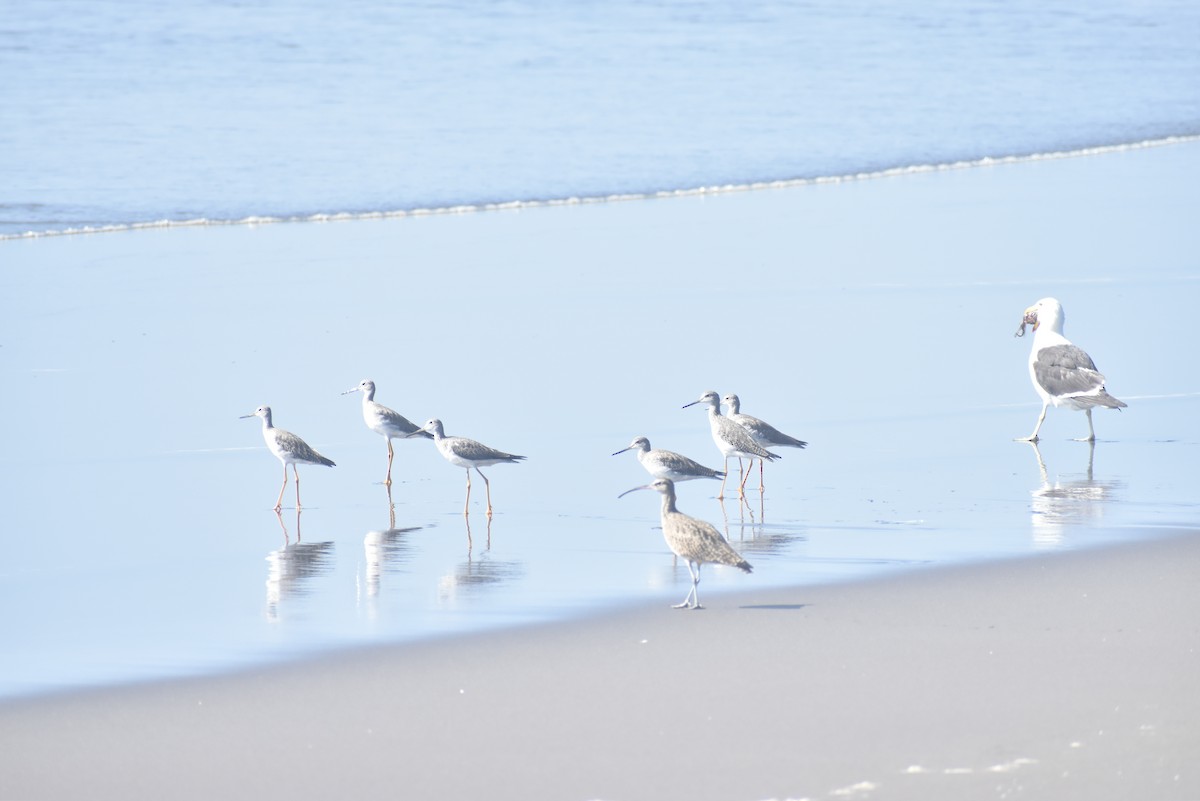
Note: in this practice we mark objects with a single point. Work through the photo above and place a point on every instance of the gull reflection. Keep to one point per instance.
(1059, 504)
(477, 572)
(384, 551)
(291, 567)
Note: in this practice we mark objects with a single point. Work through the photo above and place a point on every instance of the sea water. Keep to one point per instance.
(872, 318)
(117, 113)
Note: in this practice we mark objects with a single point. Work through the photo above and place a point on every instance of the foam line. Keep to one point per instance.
(471, 208)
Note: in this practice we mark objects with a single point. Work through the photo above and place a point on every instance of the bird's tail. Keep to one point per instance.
(1108, 401)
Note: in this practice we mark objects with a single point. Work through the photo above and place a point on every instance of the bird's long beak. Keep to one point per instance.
(635, 489)
(356, 389)
(244, 416)
(693, 403)
(415, 433)
(622, 450)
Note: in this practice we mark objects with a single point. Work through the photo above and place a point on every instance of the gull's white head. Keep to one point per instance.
(1047, 312)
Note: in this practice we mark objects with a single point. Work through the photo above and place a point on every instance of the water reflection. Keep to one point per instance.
(477, 572)
(291, 567)
(1058, 504)
(384, 551)
(750, 535)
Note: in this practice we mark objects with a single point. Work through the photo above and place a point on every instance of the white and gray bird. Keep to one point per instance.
(763, 432)
(289, 449)
(467, 454)
(388, 423)
(1062, 373)
(668, 464)
(731, 439)
(691, 539)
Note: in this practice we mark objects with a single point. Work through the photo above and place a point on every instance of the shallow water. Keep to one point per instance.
(873, 319)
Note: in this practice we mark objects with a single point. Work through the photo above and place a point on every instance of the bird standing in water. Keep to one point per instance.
(386, 422)
(668, 464)
(1062, 373)
(731, 439)
(763, 433)
(289, 449)
(467, 453)
(691, 539)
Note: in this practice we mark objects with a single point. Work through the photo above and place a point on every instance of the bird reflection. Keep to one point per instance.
(744, 509)
(291, 567)
(1058, 504)
(384, 552)
(471, 543)
(751, 535)
(477, 572)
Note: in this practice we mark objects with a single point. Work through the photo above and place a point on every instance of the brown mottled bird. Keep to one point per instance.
(694, 540)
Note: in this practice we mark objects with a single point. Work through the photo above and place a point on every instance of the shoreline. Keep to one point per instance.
(726, 595)
(476, 207)
(1056, 675)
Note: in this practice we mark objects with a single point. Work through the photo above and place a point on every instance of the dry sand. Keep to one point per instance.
(1065, 676)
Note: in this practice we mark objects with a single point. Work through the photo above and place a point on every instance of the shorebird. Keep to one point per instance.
(691, 539)
(1061, 372)
(764, 433)
(467, 453)
(668, 464)
(289, 449)
(386, 422)
(731, 438)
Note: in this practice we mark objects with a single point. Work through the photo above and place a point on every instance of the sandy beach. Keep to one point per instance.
(1068, 676)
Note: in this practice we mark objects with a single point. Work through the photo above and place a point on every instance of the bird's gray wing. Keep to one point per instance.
(766, 433)
(678, 463)
(401, 423)
(1066, 370)
(478, 452)
(300, 449)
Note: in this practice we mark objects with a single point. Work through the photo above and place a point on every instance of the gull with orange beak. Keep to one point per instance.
(1062, 373)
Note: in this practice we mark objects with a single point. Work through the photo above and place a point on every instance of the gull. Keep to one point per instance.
(668, 464)
(764, 433)
(386, 422)
(467, 453)
(1062, 373)
(691, 539)
(289, 449)
(731, 438)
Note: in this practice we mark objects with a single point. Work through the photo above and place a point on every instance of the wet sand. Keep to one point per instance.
(1060, 676)
(1064, 675)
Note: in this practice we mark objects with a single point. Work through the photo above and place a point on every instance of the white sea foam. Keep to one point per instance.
(517, 205)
